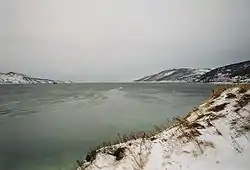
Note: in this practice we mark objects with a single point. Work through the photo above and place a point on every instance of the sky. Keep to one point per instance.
(120, 40)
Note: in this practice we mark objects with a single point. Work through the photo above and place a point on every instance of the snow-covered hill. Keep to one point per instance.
(18, 78)
(238, 72)
(214, 136)
(177, 75)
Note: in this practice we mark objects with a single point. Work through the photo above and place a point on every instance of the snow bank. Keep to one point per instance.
(213, 136)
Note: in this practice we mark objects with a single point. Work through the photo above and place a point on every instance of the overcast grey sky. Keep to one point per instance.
(121, 40)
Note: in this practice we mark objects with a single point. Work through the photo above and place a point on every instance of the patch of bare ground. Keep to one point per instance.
(231, 96)
(209, 103)
(243, 101)
(243, 88)
(213, 116)
(218, 108)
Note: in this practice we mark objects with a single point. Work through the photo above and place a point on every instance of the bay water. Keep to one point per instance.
(49, 127)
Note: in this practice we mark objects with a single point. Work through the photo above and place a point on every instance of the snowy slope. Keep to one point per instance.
(238, 72)
(18, 78)
(177, 75)
(213, 136)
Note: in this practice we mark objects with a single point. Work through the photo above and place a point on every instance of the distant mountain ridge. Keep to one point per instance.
(238, 72)
(179, 75)
(19, 78)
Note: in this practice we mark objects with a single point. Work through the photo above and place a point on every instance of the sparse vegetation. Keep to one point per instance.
(79, 163)
(212, 117)
(118, 153)
(243, 88)
(218, 107)
(230, 96)
(209, 103)
(208, 144)
(240, 125)
(220, 89)
(244, 100)
(91, 155)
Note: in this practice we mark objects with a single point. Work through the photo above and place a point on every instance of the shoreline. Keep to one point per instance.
(135, 82)
(197, 134)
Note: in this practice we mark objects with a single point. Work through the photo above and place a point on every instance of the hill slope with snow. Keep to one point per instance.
(18, 78)
(176, 75)
(214, 135)
(238, 72)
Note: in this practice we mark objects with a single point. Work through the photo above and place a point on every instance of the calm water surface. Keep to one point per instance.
(45, 127)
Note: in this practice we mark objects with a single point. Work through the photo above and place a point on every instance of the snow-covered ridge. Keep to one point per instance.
(214, 135)
(176, 75)
(238, 72)
(18, 78)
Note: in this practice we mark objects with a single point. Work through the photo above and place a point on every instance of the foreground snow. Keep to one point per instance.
(213, 136)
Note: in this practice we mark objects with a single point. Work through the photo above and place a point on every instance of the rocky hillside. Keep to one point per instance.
(176, 75)
(239, 72)
(18, 78)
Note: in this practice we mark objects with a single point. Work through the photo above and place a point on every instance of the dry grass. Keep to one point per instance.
(195, 109)
(190, 135)
(218, 108)
(221, 88)
(212, 116)
(209, 103)
(91, 155)
(118, 153)
(240, 125)
(236, 146)
(148, 135)
(230, 96)
(208, 144)
(243, 101)
(243, 88)
(190, 125)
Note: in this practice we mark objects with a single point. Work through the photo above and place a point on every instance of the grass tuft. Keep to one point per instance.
(230, 96)
(243, 88)
(118, 153)
(220, 89)
(243, 101)
(218, 108)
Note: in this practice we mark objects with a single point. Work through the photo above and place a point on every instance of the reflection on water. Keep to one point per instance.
(50, 126)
